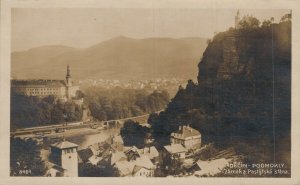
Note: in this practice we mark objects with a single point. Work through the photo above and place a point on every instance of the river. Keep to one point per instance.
(90, 137)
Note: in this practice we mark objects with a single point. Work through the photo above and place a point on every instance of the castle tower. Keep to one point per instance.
(68, 82)
(237, 19)
(64, 155)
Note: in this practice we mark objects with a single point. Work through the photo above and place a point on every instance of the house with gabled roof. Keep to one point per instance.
(172, 152)
(132, 153)
(84, 155)
(141, 167)
(118, 156)
(151, 152)
(189, 137)
(210, 167)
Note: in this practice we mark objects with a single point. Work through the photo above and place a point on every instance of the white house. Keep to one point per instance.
(142, 167)
(209, 168)
(189, 137)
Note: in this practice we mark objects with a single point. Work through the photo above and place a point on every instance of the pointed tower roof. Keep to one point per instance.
(68, 71)
(64, 144)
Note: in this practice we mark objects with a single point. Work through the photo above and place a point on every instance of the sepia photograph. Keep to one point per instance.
(150, 92)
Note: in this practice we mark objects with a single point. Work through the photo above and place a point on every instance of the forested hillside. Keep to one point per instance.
(249, 108)
(102, 104)
(110, 104)
(34, 111)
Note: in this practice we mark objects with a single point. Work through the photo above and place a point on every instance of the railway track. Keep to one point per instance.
(77, 125)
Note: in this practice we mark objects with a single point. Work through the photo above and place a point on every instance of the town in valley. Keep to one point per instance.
(159, 126)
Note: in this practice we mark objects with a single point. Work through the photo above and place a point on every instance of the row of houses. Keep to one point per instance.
(129, 161)
(133, 161)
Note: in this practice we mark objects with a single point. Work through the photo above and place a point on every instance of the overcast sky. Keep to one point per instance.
(82, 27)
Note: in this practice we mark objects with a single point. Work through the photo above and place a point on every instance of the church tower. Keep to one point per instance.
(68, 83)
(237, 19)
(68, 77)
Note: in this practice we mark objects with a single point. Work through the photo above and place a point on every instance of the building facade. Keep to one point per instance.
(187, 136)
(171, 153)
(63, 89)
(64, 155)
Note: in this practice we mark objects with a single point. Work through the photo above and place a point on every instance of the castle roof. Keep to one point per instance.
(48, 83)
(64, 144)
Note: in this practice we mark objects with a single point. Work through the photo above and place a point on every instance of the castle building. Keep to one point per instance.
(42, 88)
(65, 158)
(187, 136)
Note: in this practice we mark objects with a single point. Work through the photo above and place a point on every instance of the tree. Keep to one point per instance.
(79, 94)
(102, 169)
(286, 17)
(106, 104)
(249, 22)
(266, 23)
(134, 134)
(152, 118)
(57, 115)
(27, 111)
(25, 159)
(175, 165)
(88, 170)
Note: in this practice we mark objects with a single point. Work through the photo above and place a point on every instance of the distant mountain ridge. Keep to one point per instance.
(117, 58)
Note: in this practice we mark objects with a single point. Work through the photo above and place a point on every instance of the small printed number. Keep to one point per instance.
(24, 172)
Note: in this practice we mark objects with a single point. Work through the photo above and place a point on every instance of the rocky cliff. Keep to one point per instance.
(243, 94)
